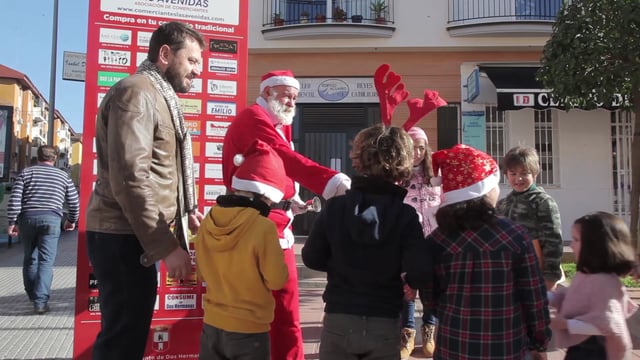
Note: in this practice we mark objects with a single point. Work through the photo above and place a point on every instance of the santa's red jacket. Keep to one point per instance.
(255, 122)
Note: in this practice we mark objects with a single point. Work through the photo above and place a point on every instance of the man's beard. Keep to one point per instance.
(283, 112)
(176, 80)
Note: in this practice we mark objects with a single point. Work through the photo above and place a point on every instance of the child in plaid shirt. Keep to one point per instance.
(488, 292)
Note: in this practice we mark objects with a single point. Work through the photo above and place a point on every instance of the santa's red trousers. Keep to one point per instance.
(286, 333)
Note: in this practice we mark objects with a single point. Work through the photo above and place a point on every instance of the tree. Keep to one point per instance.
(593, 56)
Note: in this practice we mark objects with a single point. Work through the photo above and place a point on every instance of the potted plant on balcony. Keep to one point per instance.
(304, 17)
(379, 9)
(277, 20)
(320, 18)
(339, 15)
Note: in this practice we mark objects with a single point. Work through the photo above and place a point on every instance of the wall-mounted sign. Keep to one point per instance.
(473, 85)
(337, 90)
(74, 66)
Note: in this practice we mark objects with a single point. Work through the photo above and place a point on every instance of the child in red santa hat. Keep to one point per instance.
(488, 292)
(240, 259)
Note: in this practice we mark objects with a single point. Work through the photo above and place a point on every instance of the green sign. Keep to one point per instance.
(109, 78)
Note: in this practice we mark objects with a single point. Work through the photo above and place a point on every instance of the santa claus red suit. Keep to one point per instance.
(265, 121)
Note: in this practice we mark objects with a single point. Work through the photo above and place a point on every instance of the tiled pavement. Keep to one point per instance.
(24, 335)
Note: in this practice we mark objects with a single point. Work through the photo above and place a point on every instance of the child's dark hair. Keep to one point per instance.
(466, 215)
(606, 245)
(524, 156)
(382, 152)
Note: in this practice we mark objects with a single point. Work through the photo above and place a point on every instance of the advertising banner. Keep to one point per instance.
(117, 42)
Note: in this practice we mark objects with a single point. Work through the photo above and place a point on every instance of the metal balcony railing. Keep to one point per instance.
(486, 11)
(298, 12)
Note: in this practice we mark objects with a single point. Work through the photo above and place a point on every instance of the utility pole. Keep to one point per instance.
(52, 83)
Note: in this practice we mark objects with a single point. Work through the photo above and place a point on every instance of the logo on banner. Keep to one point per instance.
(333, 90)
(144, 38)
(114, 57)
(180, 301)
(115, 36)
(94, 305)
(223, 46)
(222, 87)
(227, 66)
(161, 338)
(221, 108)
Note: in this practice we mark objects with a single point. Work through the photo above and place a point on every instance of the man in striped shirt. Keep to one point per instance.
(35, 214)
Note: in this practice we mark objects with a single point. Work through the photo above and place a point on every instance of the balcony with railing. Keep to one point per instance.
(327, 19)
(502, 17)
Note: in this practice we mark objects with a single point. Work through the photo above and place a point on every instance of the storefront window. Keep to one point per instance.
(496, 141)
(621, 136)
(543, 128)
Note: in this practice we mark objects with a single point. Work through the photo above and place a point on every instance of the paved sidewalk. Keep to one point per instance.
(24, 335)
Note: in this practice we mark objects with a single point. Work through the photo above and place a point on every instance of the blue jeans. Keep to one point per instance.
(39, 236)
(408, 311)
(127, 294)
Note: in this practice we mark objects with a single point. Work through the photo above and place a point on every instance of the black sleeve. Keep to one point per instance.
(316, 250)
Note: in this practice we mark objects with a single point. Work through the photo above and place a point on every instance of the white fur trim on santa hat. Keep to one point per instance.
(473, 191)
(279, 80)
(269, 191)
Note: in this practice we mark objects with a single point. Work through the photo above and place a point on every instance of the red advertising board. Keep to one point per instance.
(117, 42)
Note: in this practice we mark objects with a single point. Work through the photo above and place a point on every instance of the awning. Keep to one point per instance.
(518, 88)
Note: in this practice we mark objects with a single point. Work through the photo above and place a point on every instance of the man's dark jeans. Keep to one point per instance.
(219, 344)
(127, 294)
(39, 236)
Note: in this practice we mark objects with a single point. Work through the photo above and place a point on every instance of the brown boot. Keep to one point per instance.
(428, 340)
(407, 342)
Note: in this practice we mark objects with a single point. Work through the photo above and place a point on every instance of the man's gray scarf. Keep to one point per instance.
(150, 69)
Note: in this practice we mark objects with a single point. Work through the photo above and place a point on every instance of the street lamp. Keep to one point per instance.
(52, 83)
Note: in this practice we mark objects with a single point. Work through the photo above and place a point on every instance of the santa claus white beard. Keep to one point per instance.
(283, 112)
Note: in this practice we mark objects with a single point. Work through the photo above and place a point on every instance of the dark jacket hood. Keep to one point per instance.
(373, 205)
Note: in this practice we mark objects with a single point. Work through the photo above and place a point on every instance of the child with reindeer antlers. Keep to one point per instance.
(369, 241)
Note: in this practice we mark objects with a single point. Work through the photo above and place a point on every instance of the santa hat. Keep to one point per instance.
(260, 170)
(466, 173)
(417, 133)
(278, 77)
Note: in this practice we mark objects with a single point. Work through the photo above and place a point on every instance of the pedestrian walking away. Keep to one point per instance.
(35, 212)
(143, 204)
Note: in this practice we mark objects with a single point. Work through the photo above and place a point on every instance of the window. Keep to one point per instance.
(496, 141)
(543, 128)
(621, 137)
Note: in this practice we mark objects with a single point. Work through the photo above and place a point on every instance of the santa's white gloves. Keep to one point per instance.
(337, 185)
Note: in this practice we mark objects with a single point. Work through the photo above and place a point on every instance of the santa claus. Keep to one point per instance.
(269, 120)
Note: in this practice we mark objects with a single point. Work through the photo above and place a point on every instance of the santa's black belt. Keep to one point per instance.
(282, 205)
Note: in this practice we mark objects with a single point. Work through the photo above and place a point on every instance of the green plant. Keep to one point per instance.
(570, 272)
(339, 13)
(378, 8)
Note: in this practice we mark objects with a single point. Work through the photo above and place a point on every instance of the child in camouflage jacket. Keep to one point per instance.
(530, 206)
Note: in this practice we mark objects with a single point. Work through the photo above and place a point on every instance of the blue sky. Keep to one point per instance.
(26, 30)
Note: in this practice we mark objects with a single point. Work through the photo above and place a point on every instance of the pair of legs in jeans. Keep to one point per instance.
(39, 236)
(218, 344)
(356, 337)
(127, 294)
(408, 311)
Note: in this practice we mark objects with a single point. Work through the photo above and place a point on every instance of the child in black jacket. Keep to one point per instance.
(369, 241)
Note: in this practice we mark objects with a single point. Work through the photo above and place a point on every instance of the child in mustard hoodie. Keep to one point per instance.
(239, 257)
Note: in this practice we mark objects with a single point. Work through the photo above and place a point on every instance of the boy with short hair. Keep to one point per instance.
(530, 206)
(239, 256)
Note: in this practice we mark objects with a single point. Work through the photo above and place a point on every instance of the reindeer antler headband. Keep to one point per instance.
(391, 93)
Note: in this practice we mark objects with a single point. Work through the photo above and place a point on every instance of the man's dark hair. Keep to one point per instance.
(466, 215)
(47, 153)
(174, 34)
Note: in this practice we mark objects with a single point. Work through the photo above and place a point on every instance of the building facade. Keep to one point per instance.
(25, 123)
(481, 55)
